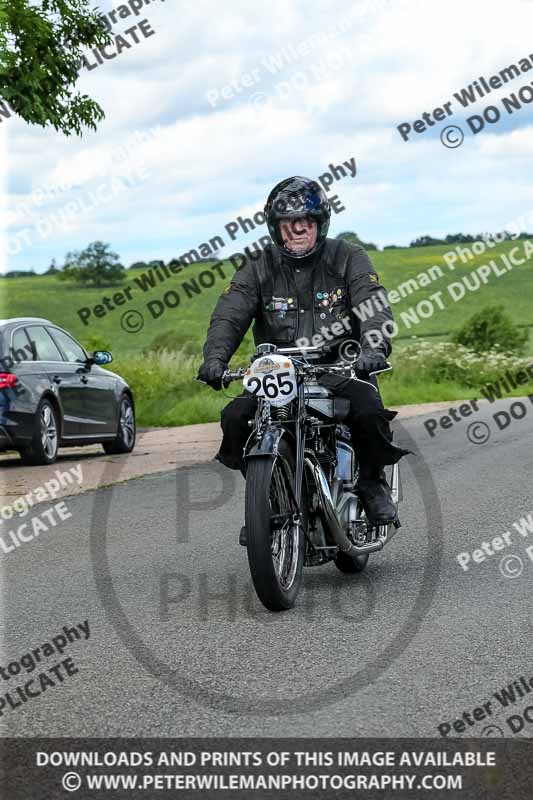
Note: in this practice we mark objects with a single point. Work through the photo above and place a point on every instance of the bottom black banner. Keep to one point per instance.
(35, 769)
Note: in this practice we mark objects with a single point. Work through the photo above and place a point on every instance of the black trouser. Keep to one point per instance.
(368, 421)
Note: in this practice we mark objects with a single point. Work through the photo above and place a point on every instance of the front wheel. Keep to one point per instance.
(275, 542)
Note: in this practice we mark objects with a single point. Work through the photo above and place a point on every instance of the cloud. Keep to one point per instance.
(303, 89)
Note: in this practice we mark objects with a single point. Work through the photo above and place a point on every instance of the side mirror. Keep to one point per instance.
(101, 358)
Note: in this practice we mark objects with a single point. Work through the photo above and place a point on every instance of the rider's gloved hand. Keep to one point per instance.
(370, 360)
(211, 373)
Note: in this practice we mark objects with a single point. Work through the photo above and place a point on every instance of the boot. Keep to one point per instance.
(375, 495)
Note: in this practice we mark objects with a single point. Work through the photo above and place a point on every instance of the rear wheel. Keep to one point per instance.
(275, 543)
(124, 441)
(45, 442)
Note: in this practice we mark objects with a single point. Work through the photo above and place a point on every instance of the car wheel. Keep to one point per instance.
(124, 441)
(44, 445)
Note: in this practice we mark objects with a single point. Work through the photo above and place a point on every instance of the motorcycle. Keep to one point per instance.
(301, 502)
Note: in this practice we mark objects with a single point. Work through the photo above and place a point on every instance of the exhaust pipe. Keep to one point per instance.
(331, 520)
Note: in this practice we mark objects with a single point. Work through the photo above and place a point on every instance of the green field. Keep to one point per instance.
(165, 392)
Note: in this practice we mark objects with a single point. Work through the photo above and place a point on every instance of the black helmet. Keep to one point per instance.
(293, 198)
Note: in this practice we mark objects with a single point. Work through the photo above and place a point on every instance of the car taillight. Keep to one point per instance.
(7, 379)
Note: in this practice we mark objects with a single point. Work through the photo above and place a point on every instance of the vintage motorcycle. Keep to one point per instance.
(301, 502)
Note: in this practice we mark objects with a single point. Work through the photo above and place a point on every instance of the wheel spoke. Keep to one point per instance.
(48, 431)
(285, 538)
(127, 423)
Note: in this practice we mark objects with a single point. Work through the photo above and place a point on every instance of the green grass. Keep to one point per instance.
(165, 392)
(407, 384)
(60, 301)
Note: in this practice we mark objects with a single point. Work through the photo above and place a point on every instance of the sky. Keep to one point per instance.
(218, 103)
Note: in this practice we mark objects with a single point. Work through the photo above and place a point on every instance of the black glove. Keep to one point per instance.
(370, 360)
(211, 373)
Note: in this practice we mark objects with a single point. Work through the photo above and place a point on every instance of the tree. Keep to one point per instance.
(41, 46)
(52, 269)
(491, 328)
(96, 266)
(138, 265)
(426, 241)
(352, 237)
(96, 342)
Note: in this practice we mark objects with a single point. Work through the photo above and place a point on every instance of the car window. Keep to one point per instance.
(72, 350)
(20, 341)
(45, 347)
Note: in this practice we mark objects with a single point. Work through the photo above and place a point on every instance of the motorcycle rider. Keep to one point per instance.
(300, 284)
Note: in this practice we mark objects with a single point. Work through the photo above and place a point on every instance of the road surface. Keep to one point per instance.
(179, 646)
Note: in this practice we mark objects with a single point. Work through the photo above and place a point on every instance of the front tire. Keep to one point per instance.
(45, 442)
(276, 546)
(124, 441)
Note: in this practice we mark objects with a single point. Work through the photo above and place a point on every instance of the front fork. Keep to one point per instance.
(267, 445)
(300, 448)
(300, 445)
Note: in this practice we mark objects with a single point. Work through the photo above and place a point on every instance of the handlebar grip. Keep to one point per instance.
(385, 369)
(374, 372)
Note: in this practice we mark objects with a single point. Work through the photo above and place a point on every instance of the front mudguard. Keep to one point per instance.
(268, 445)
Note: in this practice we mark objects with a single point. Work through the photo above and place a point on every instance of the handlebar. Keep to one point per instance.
(346, 369)
(232, 375)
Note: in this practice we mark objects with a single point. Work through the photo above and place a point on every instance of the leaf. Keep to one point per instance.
(41, 48)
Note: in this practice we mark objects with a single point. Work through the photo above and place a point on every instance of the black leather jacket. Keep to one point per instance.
(289, 299)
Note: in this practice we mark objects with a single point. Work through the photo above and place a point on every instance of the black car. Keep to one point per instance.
(53, 393)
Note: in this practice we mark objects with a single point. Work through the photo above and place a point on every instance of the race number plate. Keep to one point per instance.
(272, 377)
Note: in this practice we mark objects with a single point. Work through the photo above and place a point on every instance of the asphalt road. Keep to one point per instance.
(179, 646)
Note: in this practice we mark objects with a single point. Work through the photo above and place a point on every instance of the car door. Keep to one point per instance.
(99, 414)
(63, 378)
